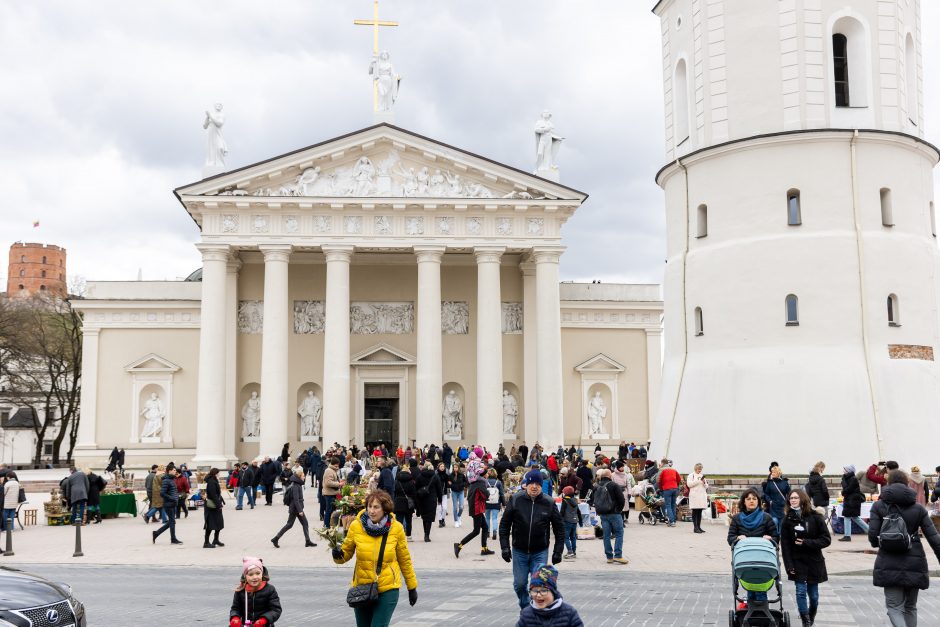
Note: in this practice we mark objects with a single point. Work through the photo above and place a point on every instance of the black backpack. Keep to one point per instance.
(603, 501)
(894, 536)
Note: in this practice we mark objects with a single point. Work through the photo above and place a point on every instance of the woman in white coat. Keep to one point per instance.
(698, 496)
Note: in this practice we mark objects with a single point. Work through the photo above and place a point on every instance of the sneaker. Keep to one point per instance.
(845, 539)
(621, 560)
(569, 556)
(176, 541)
(457, 549)
(486, 551)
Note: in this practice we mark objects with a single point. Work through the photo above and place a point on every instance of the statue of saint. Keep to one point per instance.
(547, 143)
(215, 155)
(153, 414)
(597, 411)
(453, 408)
(385, 80)
(364, 174)
(309, 411)
(251, 416)
(510, 412)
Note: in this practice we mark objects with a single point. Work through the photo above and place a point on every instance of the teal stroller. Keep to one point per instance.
(756, 568)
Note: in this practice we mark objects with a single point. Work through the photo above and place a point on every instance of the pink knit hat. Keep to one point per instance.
(248, 563)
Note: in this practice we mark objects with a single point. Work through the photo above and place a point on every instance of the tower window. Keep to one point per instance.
(680, 103)
(794, 217)
(701, 221)
(910, 63)
(42, 288)
(887, 213)
(22, 258)
(22, 273)
(44, 259)
(699, 326)
(22, 287)
(43, 274)
(840, 66)
(894, 312)
(793, 313)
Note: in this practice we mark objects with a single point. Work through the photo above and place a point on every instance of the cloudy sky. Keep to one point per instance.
(101, 106)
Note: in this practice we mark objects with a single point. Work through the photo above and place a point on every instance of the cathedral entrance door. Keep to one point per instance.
(381, 415)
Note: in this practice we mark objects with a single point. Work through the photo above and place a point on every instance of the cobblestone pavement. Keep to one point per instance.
(167, 595)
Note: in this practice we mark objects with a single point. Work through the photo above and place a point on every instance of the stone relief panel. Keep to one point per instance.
(291, 224)
(474, 226)
(455, 317)
(504, 226)
(414, 225)
(445, 225)
(323, 224)
(535, 226)
(369, 318)
(383, 225)
(512, 318)
(229, 223)
(352, 225)
(259, 224)
(309, 317)
(250, 316)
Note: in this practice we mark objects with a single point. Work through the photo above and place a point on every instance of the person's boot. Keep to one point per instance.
(806, 622)
(310, 543)
(812, 614)
(217, 542)
(274, 542)
(97, 517)
(845, 539)
(427, 538)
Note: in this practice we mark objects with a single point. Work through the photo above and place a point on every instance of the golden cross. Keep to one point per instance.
(375, 23)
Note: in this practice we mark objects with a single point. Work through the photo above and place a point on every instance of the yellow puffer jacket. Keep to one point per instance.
(395, 563)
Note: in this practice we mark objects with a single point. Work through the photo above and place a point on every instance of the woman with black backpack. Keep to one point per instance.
(895, 528)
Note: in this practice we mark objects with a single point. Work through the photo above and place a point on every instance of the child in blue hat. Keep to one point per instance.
(546, 605)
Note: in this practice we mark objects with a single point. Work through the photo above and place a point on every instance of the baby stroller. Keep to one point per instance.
(756, 568)
(652, 507)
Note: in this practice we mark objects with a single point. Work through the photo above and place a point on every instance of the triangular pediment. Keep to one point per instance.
(381, 161)
(600, 363)
(151, 363)
(382, 355)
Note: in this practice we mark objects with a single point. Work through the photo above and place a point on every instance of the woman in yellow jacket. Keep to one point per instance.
(363, 540)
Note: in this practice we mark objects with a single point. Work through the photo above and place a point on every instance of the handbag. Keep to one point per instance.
(368, 593)
(210, 503)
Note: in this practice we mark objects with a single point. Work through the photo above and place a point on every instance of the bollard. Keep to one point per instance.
(78, 540)
(9, 550)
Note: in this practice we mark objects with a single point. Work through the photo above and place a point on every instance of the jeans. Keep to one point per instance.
(380, 614)
(78, 512)
(9, 519)
(613, 526)
(778, 522)
(153, 511)
(571, 537)
(848, 525)
(456, 499)
(245, 491)
(670, 497)
(901, 604)
(522, 566)
(492, 517)
(169, 511)
(329, 504)
(804, 590)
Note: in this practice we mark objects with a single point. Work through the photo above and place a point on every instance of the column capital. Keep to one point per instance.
(214, 252)
(488, 254)
(527, 268)
(429, 253)
(546, 254)
(90, 331)
(338, 252)
(276, 252)
(234, 264)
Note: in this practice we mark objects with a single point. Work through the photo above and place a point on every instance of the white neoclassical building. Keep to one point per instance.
(801, 283)
(379, 286)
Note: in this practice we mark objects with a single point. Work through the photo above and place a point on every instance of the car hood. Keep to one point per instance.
(19, 590)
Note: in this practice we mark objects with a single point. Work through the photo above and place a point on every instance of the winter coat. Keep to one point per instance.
(387, 480)
(555, 615)
(909, 569)
(458, 482)
(404, 489)
(587, 480)
(246, 478)
(255, 476)
(296, 504)
(500, 499)
(269, 472)
(182, 485)
(444, 478)
(766, 528)
(805, 562)
(569, 509)
(698, 491)
(156, 500)
(428, 492)
(76, 487)
(918, 484)
(330, 482)
(148, 482)
(817, 490)
(396, 560)
(213, 517)
(11, 494)
(168, 491)
(529, 523)
(852, 496)
(616, 496)
(477, 504)
(570, 479)
(95, 485)
(668, 479)
(775, 495)
(262, 603)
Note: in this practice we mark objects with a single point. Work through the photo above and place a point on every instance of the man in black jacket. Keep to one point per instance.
(609, 502)
(246, 486)
(530, 519)
(386, 478)
(170, 495)
(587, 479)
(270, 471)
(294, 498)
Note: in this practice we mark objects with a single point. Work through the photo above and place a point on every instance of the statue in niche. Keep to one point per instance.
(364, 175)
(597, 411)
(547, 143)
(153, 414)
(510, 412)
(216, 147)
(251, 416)
(309, 411)
(385, 80)
(452, 415)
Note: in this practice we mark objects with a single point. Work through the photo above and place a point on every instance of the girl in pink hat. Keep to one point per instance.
(256, 603)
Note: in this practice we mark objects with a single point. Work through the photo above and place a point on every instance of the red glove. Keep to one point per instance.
(261, 622)
(235, 622)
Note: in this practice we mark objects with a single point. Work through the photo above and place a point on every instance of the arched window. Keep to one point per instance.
(22, 258)
(44, 259)
(887, 212)
(840, 68)
(22, 273)
(699, 326)
(61, 277)
(794, 217)
(910, 66)
(894, 311)
(43, 274)
(793, 310)
(22, 287)
(701, 221)
(850, 54)
(42, 288)
(680, 103)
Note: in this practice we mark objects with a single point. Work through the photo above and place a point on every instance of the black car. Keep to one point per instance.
(31, 601)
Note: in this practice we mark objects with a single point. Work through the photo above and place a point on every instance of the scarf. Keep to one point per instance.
(753, 520)
(252, 589)
(375, 529)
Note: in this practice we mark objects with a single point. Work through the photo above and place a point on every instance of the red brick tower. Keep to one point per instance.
(36, 268)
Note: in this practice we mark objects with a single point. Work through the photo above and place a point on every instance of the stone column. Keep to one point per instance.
(489, 410)
(336, 346)
(428, 424)
(530, 356)
(654, 374)
(548, 372)
(210, 395)
(89, 401)
(232, 410)
(274, 405)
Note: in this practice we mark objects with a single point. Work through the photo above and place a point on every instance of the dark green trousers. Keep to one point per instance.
(380, 614)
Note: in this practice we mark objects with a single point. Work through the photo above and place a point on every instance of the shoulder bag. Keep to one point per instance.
(368, 593)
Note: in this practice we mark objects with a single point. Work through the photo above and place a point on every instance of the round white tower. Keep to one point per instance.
(801, 280)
